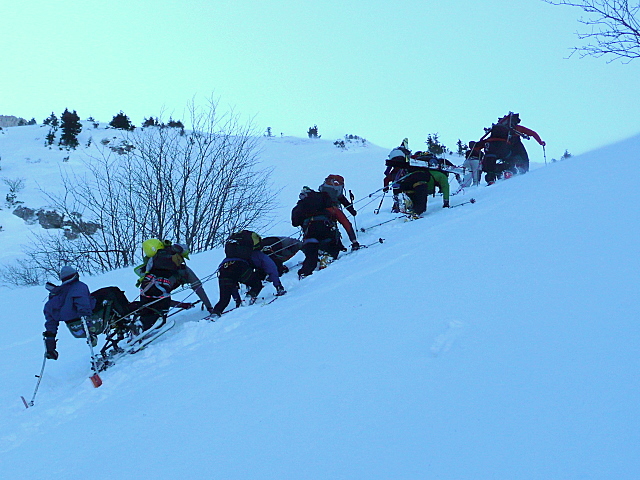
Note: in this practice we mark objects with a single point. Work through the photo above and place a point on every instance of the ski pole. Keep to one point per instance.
(544, 152)
(473, 200)
(39, 377)
(352, 198)
(381, 223)
(380, 240)
(377, 210)
(95, 378)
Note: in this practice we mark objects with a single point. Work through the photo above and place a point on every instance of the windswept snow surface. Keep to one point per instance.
(495, 340)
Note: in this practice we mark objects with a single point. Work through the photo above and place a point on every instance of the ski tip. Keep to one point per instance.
(26, 405)
(96, 380)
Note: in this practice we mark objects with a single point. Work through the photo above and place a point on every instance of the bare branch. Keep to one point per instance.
(614, 28)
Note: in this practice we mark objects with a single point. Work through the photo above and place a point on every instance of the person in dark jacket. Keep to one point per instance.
(235, 270)
(504, 150)
(162, 273)
(280, 250)
(318, 218)
(69, 303)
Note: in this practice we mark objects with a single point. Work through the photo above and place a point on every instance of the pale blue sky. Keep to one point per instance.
(380, 70)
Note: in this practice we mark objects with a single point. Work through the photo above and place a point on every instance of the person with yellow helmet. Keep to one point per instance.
(163, 270)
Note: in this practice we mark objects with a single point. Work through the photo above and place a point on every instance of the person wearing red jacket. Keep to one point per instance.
(504, 150)
(318, 217)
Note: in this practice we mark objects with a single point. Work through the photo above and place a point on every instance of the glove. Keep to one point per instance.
(238, 303)
(544, 144)
(385, 189)
(50, 345)
(280, 290)
(352, 210)
(184, 305)
(355, 246)
(445, 204)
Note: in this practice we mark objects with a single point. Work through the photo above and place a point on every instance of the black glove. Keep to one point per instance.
(445, 204)
(280, 290)
(352, 210)
(355, 246)
(50, 345)
(184, 305)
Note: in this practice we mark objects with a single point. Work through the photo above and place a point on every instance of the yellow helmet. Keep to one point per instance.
(150, 247)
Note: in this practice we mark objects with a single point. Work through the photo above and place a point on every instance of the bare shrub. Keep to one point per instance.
(194, 189)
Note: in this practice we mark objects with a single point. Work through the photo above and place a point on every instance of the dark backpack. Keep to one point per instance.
(315, 203)
(242, 244)
(500, 130)
(166, 260)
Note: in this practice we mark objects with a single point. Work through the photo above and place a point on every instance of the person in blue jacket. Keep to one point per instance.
(68, 303)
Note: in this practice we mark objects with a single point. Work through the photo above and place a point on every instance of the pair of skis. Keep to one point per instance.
(136, 344)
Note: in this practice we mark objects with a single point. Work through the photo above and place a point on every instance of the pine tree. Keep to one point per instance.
(149, 122)
(51, 120)
(463, 148)
(313, 132)
(434, 146)
(71, 127)
(121, 122)
(50, 138)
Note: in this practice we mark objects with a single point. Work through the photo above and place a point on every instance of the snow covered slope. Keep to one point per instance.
(493, 340)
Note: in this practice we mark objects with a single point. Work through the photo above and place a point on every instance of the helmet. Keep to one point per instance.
(334, 180)
(67, 272)
(150, 247)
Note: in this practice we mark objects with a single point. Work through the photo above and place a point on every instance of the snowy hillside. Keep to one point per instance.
(495, 340)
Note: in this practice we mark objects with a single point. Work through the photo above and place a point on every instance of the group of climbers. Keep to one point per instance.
(250, 259)
(500, 153)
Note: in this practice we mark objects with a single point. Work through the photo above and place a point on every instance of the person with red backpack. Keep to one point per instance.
(318, 217)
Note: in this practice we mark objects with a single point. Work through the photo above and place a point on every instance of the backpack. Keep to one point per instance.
(334, 187)
(111, 302)
(242, 244)
(500, 130)
(315, 203)
(166, 260)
